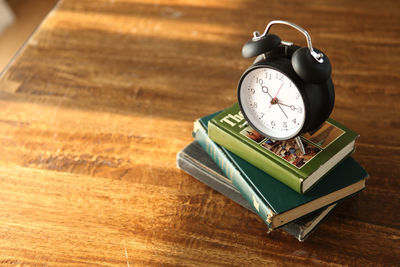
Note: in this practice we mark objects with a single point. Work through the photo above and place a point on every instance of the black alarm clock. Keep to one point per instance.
(288, 90)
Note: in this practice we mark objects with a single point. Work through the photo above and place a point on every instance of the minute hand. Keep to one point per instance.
(292, 107)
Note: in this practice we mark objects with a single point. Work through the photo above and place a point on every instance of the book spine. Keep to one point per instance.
(186, 164)
(229, 169)
(236, 146)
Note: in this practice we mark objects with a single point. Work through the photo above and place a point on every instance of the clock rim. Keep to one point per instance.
(304, 98)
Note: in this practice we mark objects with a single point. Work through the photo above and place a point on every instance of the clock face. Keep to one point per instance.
(272, 103)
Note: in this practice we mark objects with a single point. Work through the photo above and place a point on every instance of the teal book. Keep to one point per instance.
(283, 160)
(273, 201)
(196, 162)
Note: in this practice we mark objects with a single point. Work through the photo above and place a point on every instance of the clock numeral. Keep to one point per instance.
(297, 95)
(279, 76)
(259, 81)
(268, 76)
(253, 105)
(273, 123)
(294, 121)
(252, 91)
(284, 124)
(262, 115)
(299, 110)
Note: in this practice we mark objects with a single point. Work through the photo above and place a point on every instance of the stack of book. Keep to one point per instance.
(288, 190)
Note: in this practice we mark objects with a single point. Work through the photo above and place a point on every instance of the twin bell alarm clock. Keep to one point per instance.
(288, 90)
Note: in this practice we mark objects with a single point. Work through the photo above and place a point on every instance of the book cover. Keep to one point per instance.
(196, 162)
(274, 202)
(283, 160)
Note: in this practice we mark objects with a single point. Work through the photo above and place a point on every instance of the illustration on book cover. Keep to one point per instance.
(289, 149)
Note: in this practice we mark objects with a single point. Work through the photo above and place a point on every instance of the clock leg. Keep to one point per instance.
(300, 144)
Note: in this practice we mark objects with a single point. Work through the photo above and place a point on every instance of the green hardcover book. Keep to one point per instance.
(274, 202)
(283, 160)
(196, 162)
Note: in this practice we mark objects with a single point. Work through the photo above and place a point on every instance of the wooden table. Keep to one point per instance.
(95, 106)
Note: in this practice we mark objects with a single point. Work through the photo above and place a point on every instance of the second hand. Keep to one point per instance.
(277, 93)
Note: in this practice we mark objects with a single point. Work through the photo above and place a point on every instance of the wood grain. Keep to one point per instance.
(95, 106)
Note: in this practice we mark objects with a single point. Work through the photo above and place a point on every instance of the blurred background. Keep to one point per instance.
(18, 19)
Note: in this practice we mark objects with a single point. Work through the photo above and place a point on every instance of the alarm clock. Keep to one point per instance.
(288, 90)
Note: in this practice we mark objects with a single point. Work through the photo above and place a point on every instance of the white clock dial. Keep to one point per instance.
(272, 103)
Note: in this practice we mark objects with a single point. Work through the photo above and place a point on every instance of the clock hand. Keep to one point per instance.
(266, 91)
(275, 99)
(291, 106)
(279, 90)
(282, 110)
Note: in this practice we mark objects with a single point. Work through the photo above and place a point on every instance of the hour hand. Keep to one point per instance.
(266, 91)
